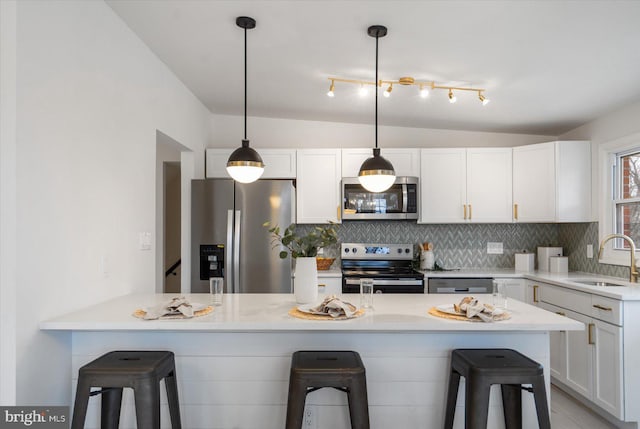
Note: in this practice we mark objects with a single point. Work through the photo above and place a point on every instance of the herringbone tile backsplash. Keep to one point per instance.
(465, 245)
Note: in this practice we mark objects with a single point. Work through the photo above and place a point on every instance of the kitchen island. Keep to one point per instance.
(233, 364)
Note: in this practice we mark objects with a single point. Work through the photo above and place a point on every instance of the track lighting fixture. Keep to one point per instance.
(387, 93)
(425, 87)
(452, 98)
(331, 88)
(245, 164)
(376, 173)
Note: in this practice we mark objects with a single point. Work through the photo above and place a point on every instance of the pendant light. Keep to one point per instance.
(245, 164)
(376, 173)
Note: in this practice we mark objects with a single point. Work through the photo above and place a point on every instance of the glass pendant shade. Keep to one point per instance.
(376, 173)
(245, 164)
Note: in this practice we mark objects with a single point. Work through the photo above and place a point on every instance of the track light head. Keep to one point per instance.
(483, 99)
(424, 91)
(452, 98)
(387, 92)
(331, 88)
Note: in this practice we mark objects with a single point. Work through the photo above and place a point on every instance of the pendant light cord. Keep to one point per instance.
(245, 84)
(376, 91)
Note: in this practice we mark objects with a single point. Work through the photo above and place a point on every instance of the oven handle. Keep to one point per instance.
(388, 282)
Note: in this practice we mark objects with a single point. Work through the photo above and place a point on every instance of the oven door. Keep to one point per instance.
(385, 285)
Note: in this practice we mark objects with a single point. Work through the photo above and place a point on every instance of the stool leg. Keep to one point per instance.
(542, 408)
(147, 398)
(358, 404)
(512, 405)
(295, 404)
(111, 402)
(171, 385)
(452, 396)
(81, 402)
(476, 405)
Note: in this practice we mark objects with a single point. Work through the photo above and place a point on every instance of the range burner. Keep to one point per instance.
(389, 265)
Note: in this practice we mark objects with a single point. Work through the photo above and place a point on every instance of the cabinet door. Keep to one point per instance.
(607, 392)
(330, 285)
(489, 184)
(443, 185)
(534, 180)
(278, 163)
(216, 163)
(532, 293)
(318, 185)
(515, 288)
(406, 162)
(558, 347)
(580, 356)
(573, 172)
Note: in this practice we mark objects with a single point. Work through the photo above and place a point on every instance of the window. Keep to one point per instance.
(626, 197)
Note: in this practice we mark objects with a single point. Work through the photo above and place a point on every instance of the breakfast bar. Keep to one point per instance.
(233, 363)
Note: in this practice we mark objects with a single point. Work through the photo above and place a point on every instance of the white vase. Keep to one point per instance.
(305, 280)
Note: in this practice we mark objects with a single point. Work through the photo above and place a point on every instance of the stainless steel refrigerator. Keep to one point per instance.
(228, 239)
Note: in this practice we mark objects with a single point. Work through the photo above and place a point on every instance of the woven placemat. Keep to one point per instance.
(302, 315)
(139, 313)
(435, 312)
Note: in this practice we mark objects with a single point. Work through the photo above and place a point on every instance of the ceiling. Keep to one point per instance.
(547, 66)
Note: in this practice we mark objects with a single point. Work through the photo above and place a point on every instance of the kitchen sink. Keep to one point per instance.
(596, 282)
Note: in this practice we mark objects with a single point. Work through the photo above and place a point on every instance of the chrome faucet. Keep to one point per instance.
(633, 271)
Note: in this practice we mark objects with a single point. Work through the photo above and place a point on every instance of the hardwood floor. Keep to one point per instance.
(567, 413)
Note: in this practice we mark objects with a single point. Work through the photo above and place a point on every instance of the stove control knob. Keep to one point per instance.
(346, 250)
(406, 250)
(354, 250)
(399, 250)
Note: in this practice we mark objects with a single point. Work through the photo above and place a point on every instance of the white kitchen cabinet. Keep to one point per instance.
(465, 185)
(589, 362)
(406, 162)
(534, 179)
(330, 285)
(532, 292)
(552, 182)
(279, 163)
(318, 185)
(515, 287)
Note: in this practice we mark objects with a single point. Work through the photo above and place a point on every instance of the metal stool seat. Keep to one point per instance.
(483, 367)
(313, 370)
(139, 370)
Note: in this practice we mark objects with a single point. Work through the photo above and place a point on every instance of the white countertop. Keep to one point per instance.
(628, 292)
(268, 312)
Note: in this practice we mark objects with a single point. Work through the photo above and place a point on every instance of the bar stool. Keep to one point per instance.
(483, 367)
(139, 370)
(313, 370)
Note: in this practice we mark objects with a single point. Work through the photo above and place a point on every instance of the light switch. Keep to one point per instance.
(495, 248)
(590, 251)
(144, 239)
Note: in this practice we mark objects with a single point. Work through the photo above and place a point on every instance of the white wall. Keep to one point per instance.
(90, 98)
(288, 133)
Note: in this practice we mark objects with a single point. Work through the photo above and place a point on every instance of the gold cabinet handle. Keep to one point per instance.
(470, 212)
(590, 326)
(321, 285)
(465, 211)
(601, 307)
(338, 212)
(535, 293)
(515, 211)
(561, 313)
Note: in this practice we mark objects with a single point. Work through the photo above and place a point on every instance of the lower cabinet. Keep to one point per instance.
(590, 362)
(329, 285)
(515, 287)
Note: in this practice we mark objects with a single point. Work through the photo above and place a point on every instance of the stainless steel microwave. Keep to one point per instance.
(398, 202)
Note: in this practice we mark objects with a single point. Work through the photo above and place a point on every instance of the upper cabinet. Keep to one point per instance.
(406, 162)
(278, 163)
(318, 185)
(552, 182)
(465, 185)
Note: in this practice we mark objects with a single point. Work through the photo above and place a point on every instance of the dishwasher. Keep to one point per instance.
(460, 285)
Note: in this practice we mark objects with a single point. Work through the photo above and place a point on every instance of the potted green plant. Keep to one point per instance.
(303, 249)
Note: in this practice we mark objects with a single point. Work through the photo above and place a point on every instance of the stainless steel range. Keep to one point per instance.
(389, 265)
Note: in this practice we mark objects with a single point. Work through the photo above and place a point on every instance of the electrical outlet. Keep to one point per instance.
(495, 248)
(309, 421)
(590, 251)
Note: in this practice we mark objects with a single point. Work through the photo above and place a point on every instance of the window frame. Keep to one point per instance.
(608, 154)
(617, 191)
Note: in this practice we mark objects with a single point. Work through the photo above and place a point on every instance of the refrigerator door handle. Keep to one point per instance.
(228, 256)
(236, 253)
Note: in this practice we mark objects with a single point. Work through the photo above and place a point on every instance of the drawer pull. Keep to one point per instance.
(560, 313)
(589, 327)
(535, 293)
(465, 212)
(601, 307)
(322, 285)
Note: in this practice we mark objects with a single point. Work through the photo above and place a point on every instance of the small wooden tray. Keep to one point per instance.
(435, 312)
(139, 313)
(294, 312)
